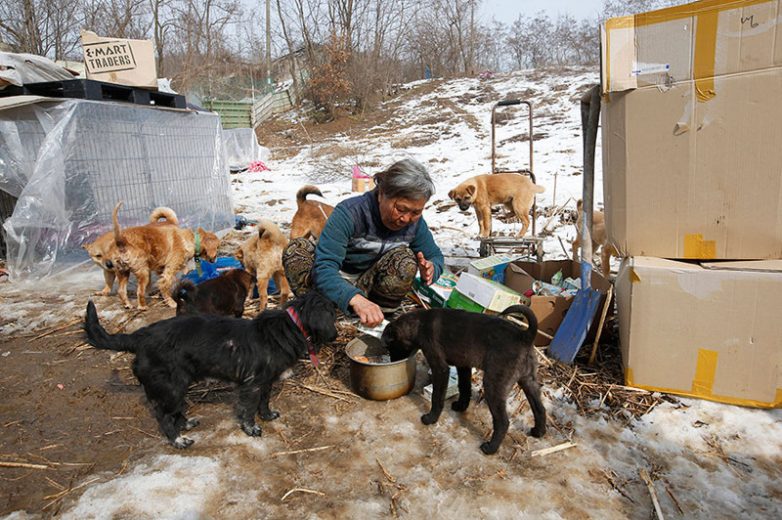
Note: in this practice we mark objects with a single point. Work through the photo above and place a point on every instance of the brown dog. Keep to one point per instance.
(103, 249)
(161, 248)
(261, 256)
(516, 192)
(599, 239)
(222, 295)
(310, 215)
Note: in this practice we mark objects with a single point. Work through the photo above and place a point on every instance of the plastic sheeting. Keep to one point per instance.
(69, 163)
(242, 148)
(18, 69)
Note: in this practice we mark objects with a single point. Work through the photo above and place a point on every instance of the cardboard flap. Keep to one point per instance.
(769, 266)
(696, 41)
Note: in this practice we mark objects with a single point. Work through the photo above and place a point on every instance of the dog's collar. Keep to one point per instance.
(297, 320)
(197, 252)
(197, 238)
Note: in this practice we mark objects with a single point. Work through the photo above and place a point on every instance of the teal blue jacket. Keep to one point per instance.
(354, 238)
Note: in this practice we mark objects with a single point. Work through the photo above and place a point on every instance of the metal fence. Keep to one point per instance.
(233, 114)
(272, 103)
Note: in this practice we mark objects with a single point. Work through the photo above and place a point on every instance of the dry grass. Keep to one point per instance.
(414, 141)
(336, 151)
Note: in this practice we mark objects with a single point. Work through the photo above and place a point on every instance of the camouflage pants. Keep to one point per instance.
(386, 283)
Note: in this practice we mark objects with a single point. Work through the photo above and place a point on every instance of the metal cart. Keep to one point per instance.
(531, 245)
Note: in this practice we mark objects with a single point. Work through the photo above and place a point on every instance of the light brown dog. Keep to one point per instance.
(161, 248)
(516, 192)
(599, 239)
(310, 215)
(261, 256)
(104, 249)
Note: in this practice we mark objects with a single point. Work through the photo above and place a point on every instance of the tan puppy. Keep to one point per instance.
(310, 215)
(161, 248)
(515, 191)
(261, 256)
(103, 249)
(599, 239)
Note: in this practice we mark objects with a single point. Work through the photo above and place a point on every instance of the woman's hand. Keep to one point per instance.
(426, 268)
(369, 313)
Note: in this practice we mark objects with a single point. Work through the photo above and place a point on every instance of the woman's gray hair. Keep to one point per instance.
(407, 178)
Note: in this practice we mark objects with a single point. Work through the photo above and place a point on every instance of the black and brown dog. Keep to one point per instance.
(222, 295)
(502, 349)
(173, 353)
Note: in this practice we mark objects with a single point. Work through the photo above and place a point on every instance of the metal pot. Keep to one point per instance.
(378, 381)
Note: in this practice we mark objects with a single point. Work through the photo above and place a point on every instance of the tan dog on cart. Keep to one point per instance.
(516, 192)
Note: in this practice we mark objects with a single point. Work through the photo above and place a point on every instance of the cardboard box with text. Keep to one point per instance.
(120, 61)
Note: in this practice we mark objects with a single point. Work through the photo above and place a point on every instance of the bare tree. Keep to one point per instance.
(612, 8)
(162, 24)
(44, 27)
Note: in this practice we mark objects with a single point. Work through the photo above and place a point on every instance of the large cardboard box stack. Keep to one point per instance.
(692, 126)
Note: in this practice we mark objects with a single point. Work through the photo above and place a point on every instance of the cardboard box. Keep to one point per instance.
(459, 301)
(709, 330)
(491, 267)
(550, 310)
(691, 131)
(490, 296)
(436, 295)
(361, 181)
(120, 61)
(362, 184)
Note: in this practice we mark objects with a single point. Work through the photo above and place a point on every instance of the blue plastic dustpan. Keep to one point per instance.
(573, 330)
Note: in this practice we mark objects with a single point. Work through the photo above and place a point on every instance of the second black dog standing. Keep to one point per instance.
(173, 353)
(222, 295)
(502, 349)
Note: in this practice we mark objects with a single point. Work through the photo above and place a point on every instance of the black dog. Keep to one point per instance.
(222, 295)
(173, 353)
(502, 349)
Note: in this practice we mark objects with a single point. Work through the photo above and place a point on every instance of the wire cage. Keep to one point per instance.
(92, 154)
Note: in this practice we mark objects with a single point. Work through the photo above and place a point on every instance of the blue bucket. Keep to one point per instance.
(214, 269)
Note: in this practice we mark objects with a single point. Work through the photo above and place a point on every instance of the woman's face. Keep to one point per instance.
(399, 212)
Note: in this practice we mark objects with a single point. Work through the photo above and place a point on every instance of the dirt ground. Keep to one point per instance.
(73, 416)
(69, 410)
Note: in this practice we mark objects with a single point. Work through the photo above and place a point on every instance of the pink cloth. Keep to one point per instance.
(258, 166)
(358, 174)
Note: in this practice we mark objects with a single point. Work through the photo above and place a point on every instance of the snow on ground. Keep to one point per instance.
(717, 461)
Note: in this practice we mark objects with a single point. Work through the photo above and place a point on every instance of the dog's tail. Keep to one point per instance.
(184, 293)
(305, 190)
(115, 219)
(99, 338)
(268, 230)
(538, 188)
(164, 213)
(579, 205)
(532, 322)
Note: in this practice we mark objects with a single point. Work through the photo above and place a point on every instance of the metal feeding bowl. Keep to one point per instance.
(373, 376)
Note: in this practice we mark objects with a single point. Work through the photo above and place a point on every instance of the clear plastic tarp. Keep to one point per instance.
(242, 148)
(18, 69)
(68, 164)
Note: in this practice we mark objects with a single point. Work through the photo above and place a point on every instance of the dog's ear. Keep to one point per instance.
(239, 254)
(451, 194)
(320, 316)
(471, 189)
